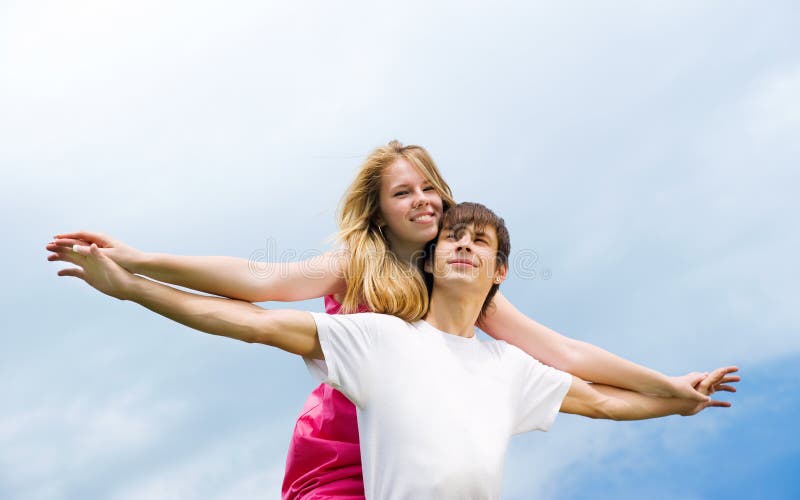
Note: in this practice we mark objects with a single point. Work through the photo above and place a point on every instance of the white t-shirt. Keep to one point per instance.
(435, 410)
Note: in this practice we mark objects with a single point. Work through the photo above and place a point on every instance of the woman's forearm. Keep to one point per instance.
(243, 279)
(581, 359)
(225, 276)
(592, 363)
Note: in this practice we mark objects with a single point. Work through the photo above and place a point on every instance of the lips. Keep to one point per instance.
(423, 217)
(461, 262)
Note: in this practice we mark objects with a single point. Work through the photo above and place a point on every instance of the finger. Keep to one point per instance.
(699, 396)
(695, 378)
(68, 242)
(75, 272)
(719, 404)
(84, 235)
(728, 388)
(95, 252)
(728, 380)
(717, 375)
(80, 250)
(62, 256)
(705, 385)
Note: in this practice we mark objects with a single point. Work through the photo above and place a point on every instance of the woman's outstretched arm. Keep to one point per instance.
(231, 277)
(289, 330)
(584, 360)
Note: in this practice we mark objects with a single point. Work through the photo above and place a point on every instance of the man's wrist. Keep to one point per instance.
(134, 289)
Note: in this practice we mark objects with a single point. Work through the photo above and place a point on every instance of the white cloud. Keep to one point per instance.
(56, 442)
(775, 108)
(230, 468)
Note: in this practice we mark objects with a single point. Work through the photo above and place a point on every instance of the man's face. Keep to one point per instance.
(467, 256)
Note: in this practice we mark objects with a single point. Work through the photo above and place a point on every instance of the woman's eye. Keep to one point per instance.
(429, 188)
(401, 193)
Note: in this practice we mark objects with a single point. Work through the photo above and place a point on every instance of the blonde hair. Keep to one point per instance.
(375, 276)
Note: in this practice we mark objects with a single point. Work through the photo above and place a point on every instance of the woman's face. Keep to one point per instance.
(410, 206)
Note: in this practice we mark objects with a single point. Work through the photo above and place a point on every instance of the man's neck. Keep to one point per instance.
(454, 312)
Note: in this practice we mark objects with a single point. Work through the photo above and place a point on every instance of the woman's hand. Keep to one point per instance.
(688, 386)
(62, 245)
(717, 380)
(100, 272)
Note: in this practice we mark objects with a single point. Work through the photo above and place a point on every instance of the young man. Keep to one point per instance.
(436, 407)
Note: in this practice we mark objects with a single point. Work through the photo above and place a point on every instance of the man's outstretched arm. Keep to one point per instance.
(602, 401)
(291, 331)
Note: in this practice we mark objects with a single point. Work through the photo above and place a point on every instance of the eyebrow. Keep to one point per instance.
(475, 234)
(407, 185)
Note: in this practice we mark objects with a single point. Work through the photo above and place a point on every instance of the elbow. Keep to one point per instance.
(568, 356)
(262, 329)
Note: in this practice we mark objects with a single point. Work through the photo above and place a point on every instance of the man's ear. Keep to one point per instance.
(501, 274)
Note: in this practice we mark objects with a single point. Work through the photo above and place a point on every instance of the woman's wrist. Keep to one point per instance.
(663, 386)
(139, 262)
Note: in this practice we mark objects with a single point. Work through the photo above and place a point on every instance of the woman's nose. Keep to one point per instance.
(420, 199)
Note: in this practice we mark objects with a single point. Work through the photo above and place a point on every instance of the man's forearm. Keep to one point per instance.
(226, 317)
(621, 404)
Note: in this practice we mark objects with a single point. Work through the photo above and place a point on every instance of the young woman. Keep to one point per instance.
(389, 213)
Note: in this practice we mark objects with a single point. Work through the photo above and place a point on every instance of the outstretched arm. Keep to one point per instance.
(581, 359)
(231, 277)
(291, 331)
(601, 401)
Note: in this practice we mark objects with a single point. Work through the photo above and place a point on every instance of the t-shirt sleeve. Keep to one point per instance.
(541, 391)
(347, 341)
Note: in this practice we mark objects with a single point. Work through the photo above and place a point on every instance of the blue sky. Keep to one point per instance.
(643, 154)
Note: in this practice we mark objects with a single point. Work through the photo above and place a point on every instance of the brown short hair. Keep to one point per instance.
(479, 216)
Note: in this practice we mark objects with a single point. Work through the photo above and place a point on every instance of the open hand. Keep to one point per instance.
(718, 380)
(63, 244)
(99, 271)
(683, 387)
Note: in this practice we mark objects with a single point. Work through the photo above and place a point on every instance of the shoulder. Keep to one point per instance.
(514, 355)
(384, 321)
(366, 320)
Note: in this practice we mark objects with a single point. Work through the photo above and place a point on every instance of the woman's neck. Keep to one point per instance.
(407, 253)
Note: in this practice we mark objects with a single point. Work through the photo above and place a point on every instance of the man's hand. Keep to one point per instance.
(717, 380)
(99, 271)
(63, 244)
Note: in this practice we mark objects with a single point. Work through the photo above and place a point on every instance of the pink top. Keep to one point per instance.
(324, 459)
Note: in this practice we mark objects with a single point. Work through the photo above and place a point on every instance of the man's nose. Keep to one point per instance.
(465, 243)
